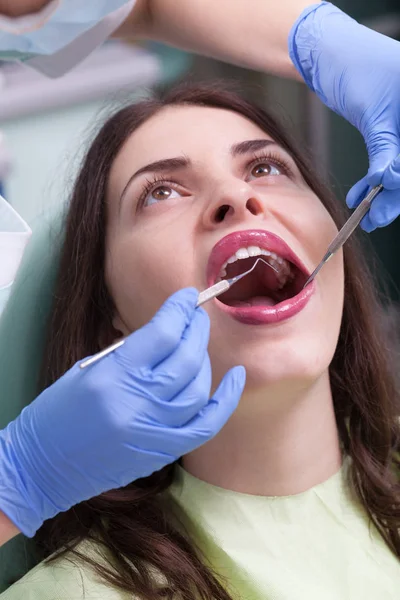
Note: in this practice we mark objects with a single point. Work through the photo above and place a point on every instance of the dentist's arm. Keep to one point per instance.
(250, 33)
(7, 529)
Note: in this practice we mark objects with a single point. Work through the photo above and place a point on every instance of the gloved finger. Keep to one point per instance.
(156, 340)
(391, 177)
(382, 151)
(202, 427)
(143, 463)
(209, 421)
(189, 402)
(385, 208)
(367, 225)
(357, 193)
(173, 374)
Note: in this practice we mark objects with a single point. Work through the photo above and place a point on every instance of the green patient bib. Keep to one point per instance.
(317, 545)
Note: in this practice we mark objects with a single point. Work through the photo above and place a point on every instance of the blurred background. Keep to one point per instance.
(45, 124)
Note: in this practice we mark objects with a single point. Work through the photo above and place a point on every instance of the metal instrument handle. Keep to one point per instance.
(354, 220)
(213, 291)
(101, 354)
(204, 296)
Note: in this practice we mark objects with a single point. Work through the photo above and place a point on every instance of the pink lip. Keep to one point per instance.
(258, 315)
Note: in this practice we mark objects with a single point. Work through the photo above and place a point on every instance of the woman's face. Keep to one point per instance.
(221, 175)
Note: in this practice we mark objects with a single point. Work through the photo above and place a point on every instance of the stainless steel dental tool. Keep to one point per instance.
(347, 230)
(212, 292)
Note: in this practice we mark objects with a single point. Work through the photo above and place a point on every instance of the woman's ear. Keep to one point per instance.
(111, 332)
(119, 326)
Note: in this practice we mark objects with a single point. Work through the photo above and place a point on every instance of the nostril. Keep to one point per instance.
(254, 206)
(221, 212)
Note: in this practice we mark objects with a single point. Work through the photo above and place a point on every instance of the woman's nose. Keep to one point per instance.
(233, 202)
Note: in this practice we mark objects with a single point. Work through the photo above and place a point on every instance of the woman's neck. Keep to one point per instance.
(278, 444)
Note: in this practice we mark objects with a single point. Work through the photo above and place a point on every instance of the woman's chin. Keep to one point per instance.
(271, 382)
(273, 378)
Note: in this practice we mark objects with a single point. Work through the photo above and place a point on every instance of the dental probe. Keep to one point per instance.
(346, 230)
(212, 292)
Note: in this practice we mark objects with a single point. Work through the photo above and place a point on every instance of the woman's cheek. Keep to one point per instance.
(312, 225)
(142, 277)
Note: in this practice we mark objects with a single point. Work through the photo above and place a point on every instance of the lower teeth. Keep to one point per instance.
(255, 301)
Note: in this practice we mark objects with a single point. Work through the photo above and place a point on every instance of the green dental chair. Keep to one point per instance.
(22, 335)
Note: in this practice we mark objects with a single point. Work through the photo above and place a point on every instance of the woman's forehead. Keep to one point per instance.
(194, 131)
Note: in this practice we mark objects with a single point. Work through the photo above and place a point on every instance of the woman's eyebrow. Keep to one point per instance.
(251, 146)
(158, 166)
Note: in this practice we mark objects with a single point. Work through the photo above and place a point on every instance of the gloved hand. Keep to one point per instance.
(356, 72)
(123, 418)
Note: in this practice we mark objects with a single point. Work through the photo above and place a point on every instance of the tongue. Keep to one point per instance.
(254, 301)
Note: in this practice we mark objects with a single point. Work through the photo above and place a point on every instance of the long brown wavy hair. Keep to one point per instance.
(134, 524)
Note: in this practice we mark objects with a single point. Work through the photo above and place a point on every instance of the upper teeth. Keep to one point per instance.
(282, 266)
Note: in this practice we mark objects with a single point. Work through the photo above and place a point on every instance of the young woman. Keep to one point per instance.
(298, 496)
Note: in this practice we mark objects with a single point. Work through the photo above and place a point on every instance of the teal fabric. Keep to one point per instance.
(22, 335)
(5, 292)
(22, 56)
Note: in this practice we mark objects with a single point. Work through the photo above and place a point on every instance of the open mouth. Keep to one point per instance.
(271, 292)
(266, 285)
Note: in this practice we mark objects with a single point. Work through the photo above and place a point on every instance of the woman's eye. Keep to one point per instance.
(162, 192)
(263, 169)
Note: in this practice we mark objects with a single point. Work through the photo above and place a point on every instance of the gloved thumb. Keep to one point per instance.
(357, 192)
(382, 152)
(386, 207)
(391, 177)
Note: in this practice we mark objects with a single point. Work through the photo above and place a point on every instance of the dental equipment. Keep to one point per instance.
(212, 292)
(346, 230)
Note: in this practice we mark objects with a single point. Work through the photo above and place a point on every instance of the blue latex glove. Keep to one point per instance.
(123, 418)
(356, 72)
